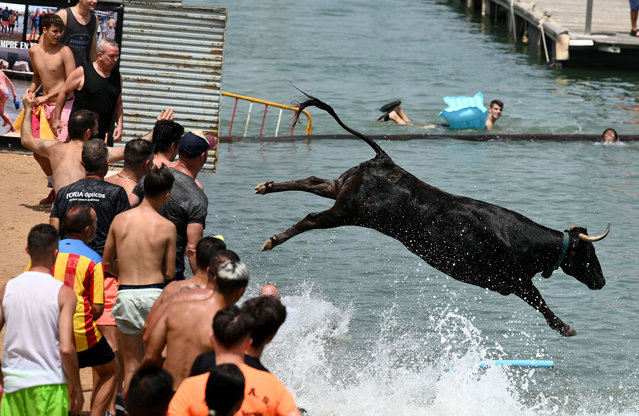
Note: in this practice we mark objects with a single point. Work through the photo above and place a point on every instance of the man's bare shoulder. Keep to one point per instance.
(63, 14)
(193, 294)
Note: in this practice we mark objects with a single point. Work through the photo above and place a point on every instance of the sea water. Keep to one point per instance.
(358, 55)
(372, 329)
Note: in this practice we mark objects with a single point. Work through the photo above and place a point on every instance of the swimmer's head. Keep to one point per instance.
(270, 290)
(609, 136)
(232, 277)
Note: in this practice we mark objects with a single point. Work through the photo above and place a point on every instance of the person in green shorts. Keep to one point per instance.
(39, 358)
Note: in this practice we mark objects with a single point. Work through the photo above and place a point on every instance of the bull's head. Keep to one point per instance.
(581, 261)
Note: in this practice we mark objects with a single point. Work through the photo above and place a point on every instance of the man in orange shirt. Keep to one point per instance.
(81, 269)
(264, 393)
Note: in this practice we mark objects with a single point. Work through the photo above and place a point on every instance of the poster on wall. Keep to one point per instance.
(20, 29)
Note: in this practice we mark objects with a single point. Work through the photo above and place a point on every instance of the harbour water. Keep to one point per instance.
(372, 329)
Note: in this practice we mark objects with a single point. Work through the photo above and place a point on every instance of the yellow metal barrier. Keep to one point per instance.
(266, 104)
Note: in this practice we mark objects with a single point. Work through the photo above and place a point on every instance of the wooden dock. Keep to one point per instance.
(560, 31)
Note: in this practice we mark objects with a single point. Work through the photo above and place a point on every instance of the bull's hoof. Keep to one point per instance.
(268, 244)
(261, 188)
(568, 331)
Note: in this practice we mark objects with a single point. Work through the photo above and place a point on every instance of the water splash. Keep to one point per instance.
(398, 371)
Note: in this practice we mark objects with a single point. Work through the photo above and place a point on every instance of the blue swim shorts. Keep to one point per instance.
(634, 4)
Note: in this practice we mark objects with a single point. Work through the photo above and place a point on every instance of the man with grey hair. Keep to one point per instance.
(106, 199)
(97, 87)
(185, 327)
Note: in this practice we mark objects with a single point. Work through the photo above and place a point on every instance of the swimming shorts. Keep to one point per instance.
(49, 111)
(5, 92)
(100, 353)
(133, 305)
(110, 293)
(634, 4)
(50, 399)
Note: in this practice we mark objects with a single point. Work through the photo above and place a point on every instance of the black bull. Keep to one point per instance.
(472, 241)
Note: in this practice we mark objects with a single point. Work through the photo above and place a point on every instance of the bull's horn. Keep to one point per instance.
(593, 238)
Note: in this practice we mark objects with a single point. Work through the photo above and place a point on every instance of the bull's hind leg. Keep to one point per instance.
(318, 186)
(316, 220)
(530, 294)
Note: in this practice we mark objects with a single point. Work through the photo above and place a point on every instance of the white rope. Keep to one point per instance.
(512, 17)
(279, 118)
(248, 118)
(543, 38)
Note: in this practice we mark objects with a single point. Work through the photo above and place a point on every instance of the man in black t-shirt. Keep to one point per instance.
(105, 198)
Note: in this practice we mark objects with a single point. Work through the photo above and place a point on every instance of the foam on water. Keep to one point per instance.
(404, 372)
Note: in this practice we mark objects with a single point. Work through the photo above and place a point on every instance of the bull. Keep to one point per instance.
(472, 241)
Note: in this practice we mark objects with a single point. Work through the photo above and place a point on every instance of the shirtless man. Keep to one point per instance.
(190, 293)
(205, 250)
(138, 159)
(52, 64)
(65, 158)
(494, 112)
(185, 327)
(144, 243)
(393, 111)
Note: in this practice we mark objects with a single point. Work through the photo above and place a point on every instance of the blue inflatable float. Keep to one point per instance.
(465, 112)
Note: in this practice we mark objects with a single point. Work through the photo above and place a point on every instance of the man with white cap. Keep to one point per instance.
(187, 206)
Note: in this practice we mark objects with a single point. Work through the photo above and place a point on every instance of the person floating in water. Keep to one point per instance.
(393, 111)
(609, 136)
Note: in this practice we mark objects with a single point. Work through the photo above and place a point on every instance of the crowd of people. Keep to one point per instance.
(120, 245)
(106, 286)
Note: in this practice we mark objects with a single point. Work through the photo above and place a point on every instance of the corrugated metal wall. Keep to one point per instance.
(171, 56)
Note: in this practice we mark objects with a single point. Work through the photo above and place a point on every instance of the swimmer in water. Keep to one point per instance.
(609, 136)
(5, 85)
(393, 111)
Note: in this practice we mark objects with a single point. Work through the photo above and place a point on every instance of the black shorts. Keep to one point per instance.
(100, 353)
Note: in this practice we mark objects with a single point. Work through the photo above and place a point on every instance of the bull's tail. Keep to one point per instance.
(312, 101)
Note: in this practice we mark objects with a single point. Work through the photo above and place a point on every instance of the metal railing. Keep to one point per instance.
(266, 104)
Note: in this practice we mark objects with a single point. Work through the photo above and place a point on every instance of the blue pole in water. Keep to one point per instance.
(518, 363)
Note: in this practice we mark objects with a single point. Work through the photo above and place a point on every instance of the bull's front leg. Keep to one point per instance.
(530, 294)
(316, 220)
(327, 188)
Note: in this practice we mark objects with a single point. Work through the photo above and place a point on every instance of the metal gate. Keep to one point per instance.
(171, 56)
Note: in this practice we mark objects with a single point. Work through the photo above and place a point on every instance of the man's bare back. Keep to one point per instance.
(175, 292)
(142, 239)
(127, 182)
(188, 334)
